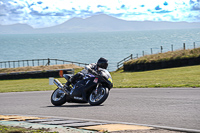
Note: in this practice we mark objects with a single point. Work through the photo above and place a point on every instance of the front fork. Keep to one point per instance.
(96, 90)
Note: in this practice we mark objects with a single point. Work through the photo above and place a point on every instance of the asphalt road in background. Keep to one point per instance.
(173, 107)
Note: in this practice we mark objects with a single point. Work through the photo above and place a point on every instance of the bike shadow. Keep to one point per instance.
(74, 106)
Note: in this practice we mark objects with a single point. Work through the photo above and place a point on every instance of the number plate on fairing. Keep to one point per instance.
(95, 80)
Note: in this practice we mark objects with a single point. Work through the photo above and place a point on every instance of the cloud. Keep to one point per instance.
(195, 5)
(44, 13)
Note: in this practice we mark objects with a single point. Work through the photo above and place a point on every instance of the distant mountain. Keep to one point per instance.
(98, 23)
(16, 28)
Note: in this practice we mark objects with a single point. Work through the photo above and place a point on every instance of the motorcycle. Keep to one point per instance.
(93, 89)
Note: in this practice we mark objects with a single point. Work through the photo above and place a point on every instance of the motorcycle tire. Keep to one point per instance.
(103, 96)
(58, 97)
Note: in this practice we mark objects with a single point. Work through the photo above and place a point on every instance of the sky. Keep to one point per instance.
(47, 13)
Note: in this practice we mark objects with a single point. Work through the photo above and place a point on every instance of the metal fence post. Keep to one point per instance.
(183, 46)
(33, 62)
(9, 64)
(172, 47)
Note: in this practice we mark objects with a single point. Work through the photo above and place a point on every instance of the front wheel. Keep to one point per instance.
(97, 98)
(58, 97)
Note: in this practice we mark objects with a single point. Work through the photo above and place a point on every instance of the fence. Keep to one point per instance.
(120, 63)
(37, 62)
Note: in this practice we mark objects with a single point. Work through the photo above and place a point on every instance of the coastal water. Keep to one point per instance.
(88, 47)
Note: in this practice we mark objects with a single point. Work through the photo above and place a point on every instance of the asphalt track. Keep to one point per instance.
(169, 107)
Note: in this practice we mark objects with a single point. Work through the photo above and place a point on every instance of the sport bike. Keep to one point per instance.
(93, 89)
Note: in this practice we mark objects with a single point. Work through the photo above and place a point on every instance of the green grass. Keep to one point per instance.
(21, 85)
(27, 85)
(174, 77)
(9, 129)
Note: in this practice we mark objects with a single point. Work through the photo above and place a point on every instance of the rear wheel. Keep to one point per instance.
(97, 98)
(58, 97)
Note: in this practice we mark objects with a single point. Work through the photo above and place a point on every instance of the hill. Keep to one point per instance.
(169, 59)
(98, 23)
(39, 68)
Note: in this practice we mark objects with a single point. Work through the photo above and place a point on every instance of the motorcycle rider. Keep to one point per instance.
(91, 68)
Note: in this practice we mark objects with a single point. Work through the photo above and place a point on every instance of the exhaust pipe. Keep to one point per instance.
(60, 86)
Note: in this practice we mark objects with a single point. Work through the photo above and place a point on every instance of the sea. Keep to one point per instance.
(89, 47)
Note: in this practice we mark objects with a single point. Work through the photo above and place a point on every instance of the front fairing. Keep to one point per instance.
(106, 75)
(83, 86)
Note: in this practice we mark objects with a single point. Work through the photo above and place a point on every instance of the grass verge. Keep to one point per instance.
(173, 77)
(9, 129)
(27, 85)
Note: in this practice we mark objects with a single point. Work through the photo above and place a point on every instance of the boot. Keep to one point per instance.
(67, 86)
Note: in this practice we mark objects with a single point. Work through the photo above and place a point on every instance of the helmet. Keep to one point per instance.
(102, 63)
